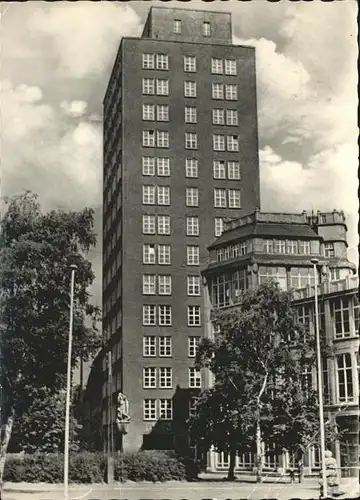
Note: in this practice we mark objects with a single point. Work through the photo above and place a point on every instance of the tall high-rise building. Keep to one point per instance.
(180, 155)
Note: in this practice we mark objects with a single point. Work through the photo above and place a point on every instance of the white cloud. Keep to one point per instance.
(74, 108)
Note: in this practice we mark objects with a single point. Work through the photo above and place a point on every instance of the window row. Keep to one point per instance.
(163, 282)
(232, 251)
(222, 142)
(160, 166)
(160, 224)
(157, 254)
(289, 247)
(154, 409)
(155, 138)
(163, 346)
(152, 195)
(227, 198)
(177, 27)
(226, 170)
(162, 315)
(158, 112)
(161, 62)
(155, 61)
(157, 377)
(160, 86)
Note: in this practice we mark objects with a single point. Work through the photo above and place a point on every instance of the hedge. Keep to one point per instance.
(88, 467)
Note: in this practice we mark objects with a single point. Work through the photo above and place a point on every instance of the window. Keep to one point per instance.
(194, 378)
(329, 250)
(193, 285)
(149, 315)
(232, 143)
(268, 246)
(148, 254)
(148, 224)
(190, 64)
(149, 346)
(148, 61)
(190, 140)
(194, 316)
(234, 198)
(162, 87)
(190, 89)
(206, 29)
(163, 195)
(164, 224)
(192, 226)
(165, 347)
(217, 66)
(341, 317)
(219, 198)
(192, 407)
(148, 138)
(149, 409)
(279, 246)
(303, 314)
(163, 167)
(278, 274)
(232, 117)
(162, 139)
(300, 277)
(162, 113)
(192, 255)
(219, 226)
(162, 61)
(218, 142)
(164, 255)
(218, 117)
(149, 284)
(193, 343)
(291, 247)
(148, 86)
(190, 114)
(219, 169)
(344, 375)
(233, 168)
(177, 26)
(165, 318)
(148, 112)
(164, 285)
(148, 195)
(192, 197)
(304, 247)
(191, 168)
(166, 409)
(165, 378)
(217, 91)
(230, 67)
(149, 378)
(148, 165)
(231, 92)
(334, 274)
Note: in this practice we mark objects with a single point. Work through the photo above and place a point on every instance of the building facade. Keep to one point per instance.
(261, 246)
(180, 155)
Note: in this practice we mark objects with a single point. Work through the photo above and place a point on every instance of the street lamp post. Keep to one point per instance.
(68, 387)
(320, 382)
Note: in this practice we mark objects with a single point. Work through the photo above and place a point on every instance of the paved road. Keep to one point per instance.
(180, 491)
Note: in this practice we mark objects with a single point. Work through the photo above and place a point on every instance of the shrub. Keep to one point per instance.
(149, 466)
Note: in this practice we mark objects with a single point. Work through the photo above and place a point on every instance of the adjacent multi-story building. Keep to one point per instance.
(180, 156)
(263, 246)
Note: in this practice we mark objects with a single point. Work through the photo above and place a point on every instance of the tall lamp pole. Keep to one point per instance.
(73, 268)
(320, 382)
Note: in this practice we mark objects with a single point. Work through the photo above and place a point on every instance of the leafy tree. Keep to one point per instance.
(260, 348)
(42, 425)
(36, 250)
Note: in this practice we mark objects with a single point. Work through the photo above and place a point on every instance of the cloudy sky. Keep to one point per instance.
(56, 60)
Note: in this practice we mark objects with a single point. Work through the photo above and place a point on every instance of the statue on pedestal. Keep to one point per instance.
(122, 410)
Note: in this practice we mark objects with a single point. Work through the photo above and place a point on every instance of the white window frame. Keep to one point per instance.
(149, 224)
(329, 249)
(220, 200)
(148, 138)
(177, 26)
(193, 344)
(230, 67)
(149, 409)
(149, 377)
(165, 409)
(218, 116)
(149, 346)
(217, 91)
(194, 378)
(232, 143)
(164, 255)
(192, 197)
(190, 114)
(148, 112)
(148, 86)
(206, 28)
(234, 198)
(164, 225)
(149, 254)
(162, 86)
(165, 346)
(218, 226)
(148, 166)
(148, 195)
(163, 166)
(218, 142)
(192, 255)
(148, 61)
(341, 311)
(162, 139)
(164, 284)
(149, 284)
(191, 168)
(192, 226)
(162, 62)
(149, 315)
(231, 93)
(217, 66)
(165, 377)
(162, 113)
(163, 195)
(164, 315)
(190, 64)
(194, 315)
(232, 119)
(193, 286)
(219, 169)
(349, 395)
(191, 141)
(190, 89)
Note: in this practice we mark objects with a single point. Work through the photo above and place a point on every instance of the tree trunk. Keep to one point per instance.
(4, 443)
(231, 474)
(258, 453)
(301, 468)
